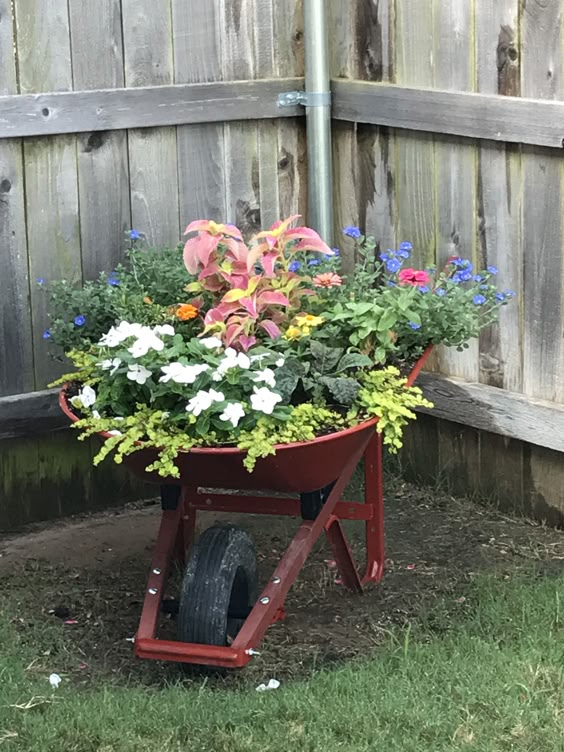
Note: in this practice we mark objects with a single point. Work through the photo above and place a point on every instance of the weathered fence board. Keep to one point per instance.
(16, 354)
(144, 107)
(153, 157)
(527, 121)
(455, 164)
(499, 197)
(50, 165)
(543, 374)
(415, 153)
(103, 172)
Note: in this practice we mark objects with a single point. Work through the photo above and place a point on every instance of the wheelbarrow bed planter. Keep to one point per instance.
(318, 472)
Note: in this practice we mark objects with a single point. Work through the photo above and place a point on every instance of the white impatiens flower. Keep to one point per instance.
(182, 374)
(211, 343)
(164, 329)
(110, 365)
(138, 373)
(203, 401)
(233, 413)
(259, 357)
(266, 376)
(264, 400)
(280, 362)
(147, 340)
(87, 396)
(118, 334)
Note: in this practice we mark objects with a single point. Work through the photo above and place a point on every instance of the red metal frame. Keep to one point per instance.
(176, 534)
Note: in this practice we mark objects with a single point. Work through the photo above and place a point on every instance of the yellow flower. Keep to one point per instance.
(308, 319)
(293, 332)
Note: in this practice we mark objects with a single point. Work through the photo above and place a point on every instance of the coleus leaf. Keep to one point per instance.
(271, 328)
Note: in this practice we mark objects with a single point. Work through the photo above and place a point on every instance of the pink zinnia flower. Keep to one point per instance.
(327, 279)
(413, 277)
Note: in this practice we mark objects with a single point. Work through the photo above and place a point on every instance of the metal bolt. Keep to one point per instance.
(251, 651)
(265, 600)
(153, 590)
(209, 502)
(276, 580)
(156, 570)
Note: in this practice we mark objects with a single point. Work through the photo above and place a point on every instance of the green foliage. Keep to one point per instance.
(304, 423)
(384, 394)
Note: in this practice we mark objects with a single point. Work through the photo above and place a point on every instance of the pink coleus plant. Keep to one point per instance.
(250, 285)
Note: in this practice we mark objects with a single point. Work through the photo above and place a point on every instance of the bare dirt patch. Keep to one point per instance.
(91, 573)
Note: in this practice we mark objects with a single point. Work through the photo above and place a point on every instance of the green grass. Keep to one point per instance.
(492, 679)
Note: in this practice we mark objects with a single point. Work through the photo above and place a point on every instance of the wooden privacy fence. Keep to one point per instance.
(448, 132)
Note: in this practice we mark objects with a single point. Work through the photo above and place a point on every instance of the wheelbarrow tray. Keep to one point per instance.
(299, 467)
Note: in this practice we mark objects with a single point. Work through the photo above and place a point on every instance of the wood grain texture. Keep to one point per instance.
(415, 154)
(50, 166)
(147, 107)
(343, 65)
(528, 120)
(52, 230)
(31, 414)
(375, 146)
(541, 74)
(499, 192)
(153, 159)
(495, 410)
(455, 164)
(43, 43)
(103, 173)
(201, 154)
(16, 353)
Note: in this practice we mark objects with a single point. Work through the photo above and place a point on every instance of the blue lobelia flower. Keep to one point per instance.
(406, 246)
(313, 262)
(402, 253)
(80, 320)
(414, 326)
(336, 251)
(492, 269)
(46, 334)
(393, 265)
(423, 289)
(477, 278)
(390, 283)
(113, 280)
(352, 232)
(440, 291)
(509, 293)
(500, 296)
(462, 275)
(134, 235)
(478, 300)
(294, 266)
(40, 281)
(386, 256)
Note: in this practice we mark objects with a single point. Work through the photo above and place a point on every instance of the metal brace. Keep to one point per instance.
(305, 98)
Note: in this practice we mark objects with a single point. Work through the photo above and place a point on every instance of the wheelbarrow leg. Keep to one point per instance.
(374, 496)
(343, 555)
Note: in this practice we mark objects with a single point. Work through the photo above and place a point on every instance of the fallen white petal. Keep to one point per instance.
(55, 680)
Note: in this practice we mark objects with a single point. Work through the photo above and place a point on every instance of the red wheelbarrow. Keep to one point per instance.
(221, 617)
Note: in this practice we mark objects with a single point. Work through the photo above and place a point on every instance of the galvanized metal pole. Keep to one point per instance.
(318, 119)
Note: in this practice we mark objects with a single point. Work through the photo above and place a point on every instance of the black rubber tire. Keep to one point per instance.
(219, 587)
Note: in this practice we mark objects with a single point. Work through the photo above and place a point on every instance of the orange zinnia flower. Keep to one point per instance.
(186, 311)
(327, 279)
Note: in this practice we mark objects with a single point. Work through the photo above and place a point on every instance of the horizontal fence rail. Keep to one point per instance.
(144, 107)
(495, 410)
(539, 122)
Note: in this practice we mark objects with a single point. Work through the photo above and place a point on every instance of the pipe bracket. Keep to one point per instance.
(305, 98)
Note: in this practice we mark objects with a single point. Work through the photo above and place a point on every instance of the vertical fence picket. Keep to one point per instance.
(147, 35)
(103, 173)
(50, 165)
(16, 350)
